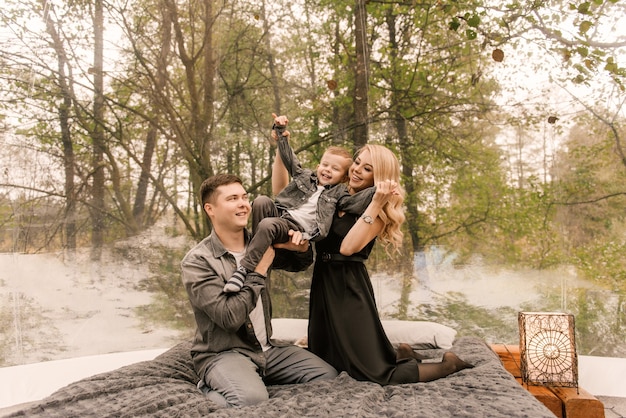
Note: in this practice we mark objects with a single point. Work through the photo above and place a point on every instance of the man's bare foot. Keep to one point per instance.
(405, 351)
(455, 363)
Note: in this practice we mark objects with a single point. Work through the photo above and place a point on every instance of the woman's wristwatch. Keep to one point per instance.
(367, 219)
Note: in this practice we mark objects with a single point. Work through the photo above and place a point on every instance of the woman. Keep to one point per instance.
(344, 326)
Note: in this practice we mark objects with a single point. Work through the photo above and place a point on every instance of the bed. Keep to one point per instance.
(166, 387)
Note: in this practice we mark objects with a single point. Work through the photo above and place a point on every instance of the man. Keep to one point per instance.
(232, 351)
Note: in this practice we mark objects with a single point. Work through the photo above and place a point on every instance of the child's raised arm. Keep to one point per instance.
(280, 175)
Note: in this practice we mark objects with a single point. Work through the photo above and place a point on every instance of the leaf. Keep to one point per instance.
(497, 55)
(473, 21)
(567, 54)
(583, 8)
(611, 67)
(454, 24)
(584, 27)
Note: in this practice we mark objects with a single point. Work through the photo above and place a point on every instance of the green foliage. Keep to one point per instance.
(207, 91)
(595, 336)
(24, 329)
(6, 327)
(171, 303)
(602, 262)
(590, 204)
(290, 293)
(453, 310)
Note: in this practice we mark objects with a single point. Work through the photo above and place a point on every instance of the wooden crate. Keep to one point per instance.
(563, 402)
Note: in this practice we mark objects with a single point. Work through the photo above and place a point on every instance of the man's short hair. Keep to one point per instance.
(210, 185)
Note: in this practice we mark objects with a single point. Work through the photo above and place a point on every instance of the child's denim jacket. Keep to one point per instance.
(304, 184)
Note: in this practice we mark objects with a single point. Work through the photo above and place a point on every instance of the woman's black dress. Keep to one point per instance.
(344, 326)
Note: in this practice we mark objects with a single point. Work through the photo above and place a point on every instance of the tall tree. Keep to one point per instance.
(98, 213)
(361, 80)
(415, 78)
(160, 82)
(64, 111)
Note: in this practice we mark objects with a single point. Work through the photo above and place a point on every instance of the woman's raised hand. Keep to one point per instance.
(385, 190)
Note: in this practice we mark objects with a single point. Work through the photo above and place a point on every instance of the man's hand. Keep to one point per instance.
(295, 243)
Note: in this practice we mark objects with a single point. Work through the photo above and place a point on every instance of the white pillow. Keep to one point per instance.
(418, 334)
(290, 331)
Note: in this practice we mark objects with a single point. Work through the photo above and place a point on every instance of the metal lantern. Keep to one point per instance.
(548, 349)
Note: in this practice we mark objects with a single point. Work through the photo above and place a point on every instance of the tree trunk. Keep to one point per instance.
(403, 139)
(271, 64)
(360, 134)
(66, 136)
(97, 198)
(339, 128)
(68, 163)
(200, 86)
(139, 207)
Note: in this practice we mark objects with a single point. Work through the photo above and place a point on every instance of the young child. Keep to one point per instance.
(306, 204)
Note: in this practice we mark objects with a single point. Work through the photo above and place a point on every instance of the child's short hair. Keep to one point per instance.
(341, 152)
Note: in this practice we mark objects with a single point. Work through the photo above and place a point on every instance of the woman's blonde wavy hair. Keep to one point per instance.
(386, 167)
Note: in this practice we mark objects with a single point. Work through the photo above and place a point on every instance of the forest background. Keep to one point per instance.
(507, 118)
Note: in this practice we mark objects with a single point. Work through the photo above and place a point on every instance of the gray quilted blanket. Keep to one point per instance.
(166, 387)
